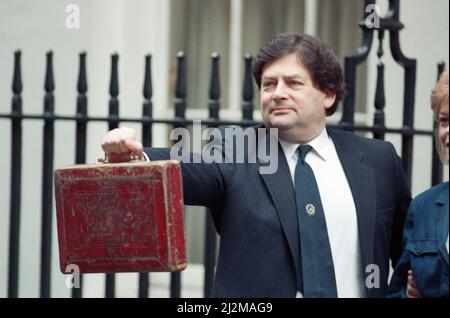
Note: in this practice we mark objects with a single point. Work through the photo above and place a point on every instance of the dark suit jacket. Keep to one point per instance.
(425, 235)
(255, 215)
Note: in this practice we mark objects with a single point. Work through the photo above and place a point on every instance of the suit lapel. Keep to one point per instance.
(362, 184)
(442, 221)
(280, 188)
(361, 180)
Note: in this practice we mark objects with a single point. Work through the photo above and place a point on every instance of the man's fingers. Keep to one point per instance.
(111, 141)
(121, 140)
(119, 143)
(134, 146)
(411, 287)
(123, 146)
(411, 281)
(413, 293)
(410, 295)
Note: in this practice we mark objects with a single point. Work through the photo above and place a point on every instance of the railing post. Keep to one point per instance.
(147, 113)
(378, 120)
(391, 23)
(113, 123)
(409, 78)
(81, 127)
(47, 179)
(180, 113)
(210, 232)
(16, 170)
(350, 63)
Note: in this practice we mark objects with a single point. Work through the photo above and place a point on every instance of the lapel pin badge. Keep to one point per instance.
(310, 209)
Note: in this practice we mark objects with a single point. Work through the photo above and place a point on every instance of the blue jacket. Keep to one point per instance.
(255, 215)
(425, 252)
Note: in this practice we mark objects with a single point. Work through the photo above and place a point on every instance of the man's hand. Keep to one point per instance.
(411, 288)
(118, 144)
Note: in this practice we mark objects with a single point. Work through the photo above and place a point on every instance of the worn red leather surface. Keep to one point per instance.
(124, 217)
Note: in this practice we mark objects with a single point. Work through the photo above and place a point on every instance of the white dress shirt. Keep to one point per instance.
(339, 209)
(446, 243)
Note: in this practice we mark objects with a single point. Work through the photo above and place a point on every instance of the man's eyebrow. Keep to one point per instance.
(284, 76)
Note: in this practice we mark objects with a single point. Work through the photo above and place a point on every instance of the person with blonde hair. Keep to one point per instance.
(423, 267)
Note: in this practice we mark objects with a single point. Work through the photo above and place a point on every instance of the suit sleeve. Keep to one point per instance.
(203, 183)
(403, 199)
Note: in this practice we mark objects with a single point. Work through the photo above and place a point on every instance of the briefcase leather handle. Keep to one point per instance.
(133, 158)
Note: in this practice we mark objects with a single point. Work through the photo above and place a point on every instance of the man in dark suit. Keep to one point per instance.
(328, 220)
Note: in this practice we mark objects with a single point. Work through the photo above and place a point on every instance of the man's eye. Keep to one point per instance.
(443, 121)
(296, 83)
(268, 84)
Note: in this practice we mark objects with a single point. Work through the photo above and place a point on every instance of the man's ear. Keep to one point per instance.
(330, 97)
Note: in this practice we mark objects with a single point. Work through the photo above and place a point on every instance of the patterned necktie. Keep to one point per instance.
(317, 268)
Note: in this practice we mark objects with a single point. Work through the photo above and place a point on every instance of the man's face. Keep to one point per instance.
(443, 129)
(290, 102)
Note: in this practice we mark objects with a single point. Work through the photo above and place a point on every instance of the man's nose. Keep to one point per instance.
(280, 91)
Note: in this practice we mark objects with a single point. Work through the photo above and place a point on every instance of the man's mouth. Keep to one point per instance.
(281, 110)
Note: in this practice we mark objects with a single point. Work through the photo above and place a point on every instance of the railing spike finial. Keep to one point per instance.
(17, 77)
(180, 87)
(49, 79)
(82, 80)
(114, 82)
(247, 91)
(148, 85)
(214, 88)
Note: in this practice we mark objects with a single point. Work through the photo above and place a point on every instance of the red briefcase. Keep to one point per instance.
(125, 217)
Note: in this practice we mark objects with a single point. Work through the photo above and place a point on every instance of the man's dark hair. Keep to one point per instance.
(318, 58)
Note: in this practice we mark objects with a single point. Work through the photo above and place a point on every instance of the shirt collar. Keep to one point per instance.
(320, 145)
